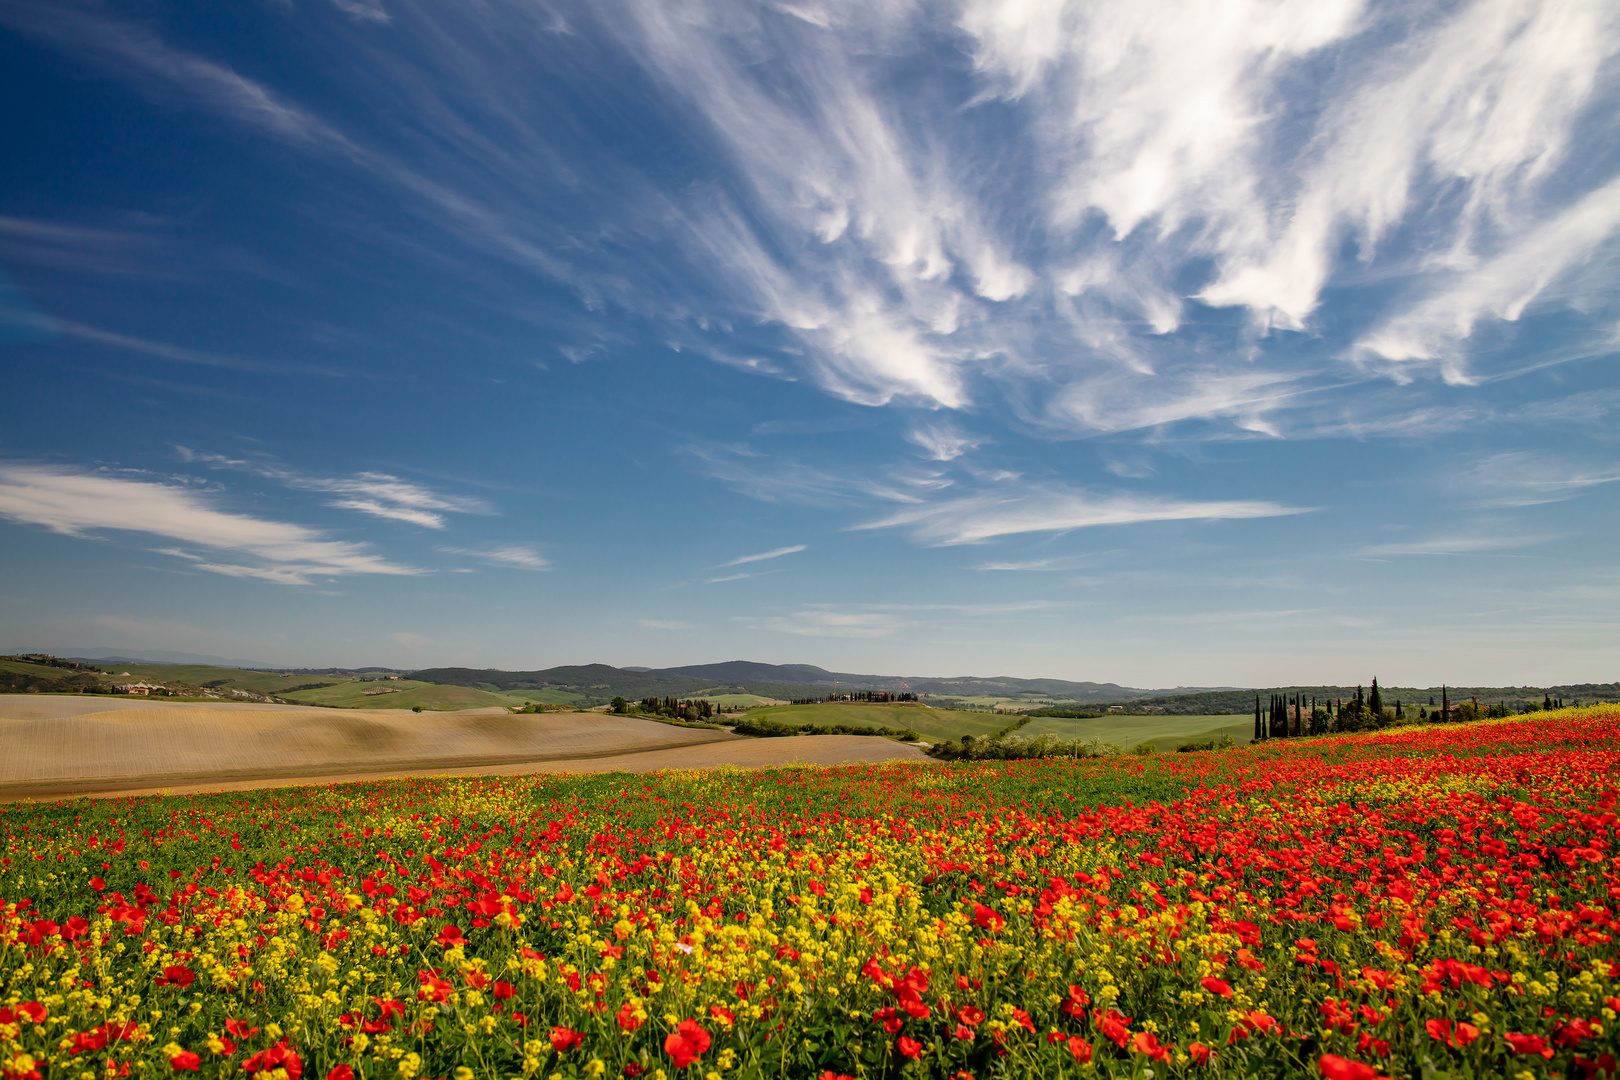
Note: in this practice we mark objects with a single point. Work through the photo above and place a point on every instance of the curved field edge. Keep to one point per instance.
(1434, 902)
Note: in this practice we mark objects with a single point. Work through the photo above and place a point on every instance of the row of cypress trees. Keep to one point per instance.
(1288, 715)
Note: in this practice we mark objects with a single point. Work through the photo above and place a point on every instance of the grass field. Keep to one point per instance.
(934, 725)
(1128, 731)
(20, 667)
(735, 701)
(409, 693)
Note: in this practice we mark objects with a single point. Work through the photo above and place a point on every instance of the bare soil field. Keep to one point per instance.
(56, 747)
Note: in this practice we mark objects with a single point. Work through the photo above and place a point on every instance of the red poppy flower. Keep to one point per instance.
(176, 976)
(1528, 1044)
(1080, 1049)
(565, 1039)
(1145, 1042)
(279, 1056)
(908, 1046)
(340, 1072)
(1216, 986)
(686, 1043)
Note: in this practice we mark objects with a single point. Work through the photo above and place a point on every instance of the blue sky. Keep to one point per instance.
(1228, 342)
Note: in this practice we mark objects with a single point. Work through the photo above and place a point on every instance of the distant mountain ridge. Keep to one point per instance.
(602, 681)
(100, 654)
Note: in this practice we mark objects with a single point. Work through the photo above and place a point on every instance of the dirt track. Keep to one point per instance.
(59, 747)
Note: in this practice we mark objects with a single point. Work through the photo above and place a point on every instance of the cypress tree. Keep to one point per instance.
(1257, 735)
(1375, 701)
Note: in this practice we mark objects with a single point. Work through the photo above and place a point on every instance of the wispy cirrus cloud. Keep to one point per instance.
(378, 494)
(83, 504)
(1105, 214)
(775, 553)
(1528, 478)
(988, 515)
(507, 556)
(1455, 545)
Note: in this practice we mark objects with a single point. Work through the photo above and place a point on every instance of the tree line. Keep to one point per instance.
(1288, 715)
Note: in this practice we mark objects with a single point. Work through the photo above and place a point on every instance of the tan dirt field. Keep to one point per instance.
(64, 746)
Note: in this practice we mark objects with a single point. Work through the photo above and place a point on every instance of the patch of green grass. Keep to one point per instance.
(733, 701)
(22, 667)
(1127, 731)
(258, 682)
(934, 725)
(352, 695)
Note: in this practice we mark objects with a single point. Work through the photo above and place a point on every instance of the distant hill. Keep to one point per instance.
(588, 683)
(102, 655)
(744, 671)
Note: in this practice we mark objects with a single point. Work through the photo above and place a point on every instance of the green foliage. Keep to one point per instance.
(762, 728)
(1195, 745)
(1020, 748)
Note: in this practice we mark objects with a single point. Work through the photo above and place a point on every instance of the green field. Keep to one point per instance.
(22, 667)
(1128, 731)
(735, 701)
(935, 725)
(258, 682)
(990, 701)
(547, 695)
(352, 695)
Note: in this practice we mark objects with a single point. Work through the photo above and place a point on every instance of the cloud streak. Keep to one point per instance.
(989, 515)
(1115, 217)
(378, 494)
(82, 504)
(776, 553)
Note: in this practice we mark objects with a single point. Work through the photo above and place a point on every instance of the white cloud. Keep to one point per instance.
(988, 515)
(943, 442)
(509, 556)
(78, 504)
(777, 553)
(1455, 545)
(1029, 230)
(1526, 478)
(1432, 332)
(378, 494)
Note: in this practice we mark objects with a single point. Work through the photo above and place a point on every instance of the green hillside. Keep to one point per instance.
(407, 693)
(1165, 732)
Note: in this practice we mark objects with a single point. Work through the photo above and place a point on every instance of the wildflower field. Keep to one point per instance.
(1434, 902)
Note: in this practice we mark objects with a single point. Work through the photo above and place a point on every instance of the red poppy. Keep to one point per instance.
(627, 1018)
(279, 1056)
(565, 1039)
(986, 918)
(1199, 1053)
(1080, 1049)
(340, 1072)
(1528, 1044)
(176, 976)
(185, 1061)
(1334, 1067)
(1145, 1042)
(686, 1043)
(1216, 986)
(908, 1046)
